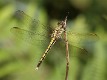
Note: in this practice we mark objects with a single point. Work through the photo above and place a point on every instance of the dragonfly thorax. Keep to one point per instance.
(57, 32)
(62, 24)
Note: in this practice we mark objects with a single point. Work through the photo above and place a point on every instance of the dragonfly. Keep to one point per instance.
(55, 35)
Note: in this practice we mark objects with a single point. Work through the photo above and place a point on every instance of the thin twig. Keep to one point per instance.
(67, 55)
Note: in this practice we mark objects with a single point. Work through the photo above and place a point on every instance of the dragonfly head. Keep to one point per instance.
(62, 23)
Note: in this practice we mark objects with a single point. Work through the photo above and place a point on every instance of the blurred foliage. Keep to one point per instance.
(18, 59)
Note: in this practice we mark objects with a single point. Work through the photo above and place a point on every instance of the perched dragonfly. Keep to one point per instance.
(56, 34)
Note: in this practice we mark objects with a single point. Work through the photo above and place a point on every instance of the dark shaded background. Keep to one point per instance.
(18, 58)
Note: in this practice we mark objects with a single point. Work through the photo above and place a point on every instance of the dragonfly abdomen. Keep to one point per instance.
(53, 40)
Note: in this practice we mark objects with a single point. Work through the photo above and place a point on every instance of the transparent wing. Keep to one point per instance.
(79, 39)
(30, 23)
(28, 36)
(82, 37)
(33, 31)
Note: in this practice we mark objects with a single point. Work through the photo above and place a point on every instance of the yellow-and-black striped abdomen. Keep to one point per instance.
(53, 40)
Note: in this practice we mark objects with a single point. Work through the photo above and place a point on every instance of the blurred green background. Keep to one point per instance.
(18, 59)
